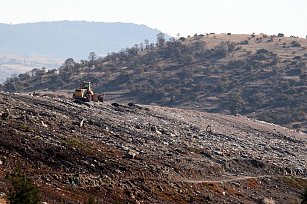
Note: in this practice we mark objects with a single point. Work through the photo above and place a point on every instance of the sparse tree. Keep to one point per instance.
(69, 62)
(236, 103)
(172, 39)
(186, 59)
(24, 76)
(40, 72)
(10, 85)
(146, 42)
(136, 46)
(132, 51)
(151, 46)
(182, 39)
(160, 39)
(92, 56)
(141, 46)
(33, 72)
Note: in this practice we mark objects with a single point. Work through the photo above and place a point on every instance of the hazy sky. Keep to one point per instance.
(186, 17)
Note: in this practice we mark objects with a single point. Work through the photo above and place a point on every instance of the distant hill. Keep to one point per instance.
(259, 76)
(74, 39)
(13, 64)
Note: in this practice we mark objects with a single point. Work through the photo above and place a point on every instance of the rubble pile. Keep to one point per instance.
(130, 153)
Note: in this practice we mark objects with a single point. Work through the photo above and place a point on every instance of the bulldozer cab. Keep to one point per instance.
(85, 85)
(85, 93)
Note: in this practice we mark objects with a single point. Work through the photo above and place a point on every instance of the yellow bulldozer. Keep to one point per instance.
(86, 94)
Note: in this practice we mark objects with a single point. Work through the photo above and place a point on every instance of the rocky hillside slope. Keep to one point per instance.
(128, 153)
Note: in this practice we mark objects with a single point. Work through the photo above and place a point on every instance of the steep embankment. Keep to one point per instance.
(147, 154)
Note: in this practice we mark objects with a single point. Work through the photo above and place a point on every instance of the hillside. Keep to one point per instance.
(260, 76)
(75, 39)
(128, 153)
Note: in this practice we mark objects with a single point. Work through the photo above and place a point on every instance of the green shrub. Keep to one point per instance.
(236, 103)
(91, 200)
(304, 196)
(186, 59)
(24, 189)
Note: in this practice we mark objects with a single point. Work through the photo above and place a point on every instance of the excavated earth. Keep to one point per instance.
(128, 153)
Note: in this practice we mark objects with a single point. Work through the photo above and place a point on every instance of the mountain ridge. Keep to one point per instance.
(72, 38)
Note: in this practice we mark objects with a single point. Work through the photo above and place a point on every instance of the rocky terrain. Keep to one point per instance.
(130, 153)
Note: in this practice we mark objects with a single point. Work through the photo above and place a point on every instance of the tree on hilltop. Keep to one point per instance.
(146, 42)
(92, 56)
(69, 64)
(160, 39)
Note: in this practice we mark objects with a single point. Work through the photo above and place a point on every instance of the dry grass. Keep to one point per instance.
(2, 201)
(295, 182)
(216, 187)
(252, 183)
(231, 190)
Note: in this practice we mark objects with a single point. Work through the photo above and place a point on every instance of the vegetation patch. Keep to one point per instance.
(295, 182)
(24, 190)
(25, 128)
(194, 150)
